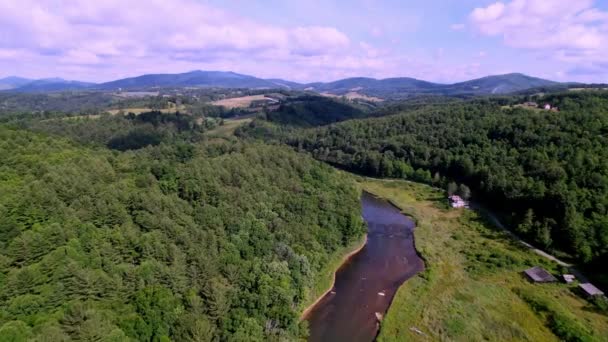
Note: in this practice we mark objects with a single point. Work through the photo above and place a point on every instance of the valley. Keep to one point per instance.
(246, 220)
(303, 171)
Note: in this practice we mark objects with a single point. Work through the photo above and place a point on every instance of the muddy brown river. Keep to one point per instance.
(367, 282)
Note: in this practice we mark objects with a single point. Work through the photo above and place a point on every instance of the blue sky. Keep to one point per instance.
(306, 40)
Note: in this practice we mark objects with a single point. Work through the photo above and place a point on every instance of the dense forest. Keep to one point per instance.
(547, 171)
(160, 241)
(119, 132)
(311, 110)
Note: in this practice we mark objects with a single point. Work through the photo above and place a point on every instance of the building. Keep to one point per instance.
(590, 291)
(538, 274)
(531, 104)
(547, 106)
(457, 202)
(569, 278)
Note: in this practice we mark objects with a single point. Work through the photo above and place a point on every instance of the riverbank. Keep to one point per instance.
(327, 277)
(472, 288)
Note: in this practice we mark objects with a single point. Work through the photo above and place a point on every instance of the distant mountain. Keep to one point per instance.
(404, 86)
(500, 84)
(395, 88)
(222, 79)
(51, 85)
(364, 84)
(12, 82)
(279, 83)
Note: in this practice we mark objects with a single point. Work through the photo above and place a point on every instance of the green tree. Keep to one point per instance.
(452, 188)
(464, 191)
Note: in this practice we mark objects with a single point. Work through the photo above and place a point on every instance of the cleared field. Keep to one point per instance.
(238, 102)
(536, 109)
(585, 89)
(139, 110)
(473, 288)
(230, 125)
(353, 95)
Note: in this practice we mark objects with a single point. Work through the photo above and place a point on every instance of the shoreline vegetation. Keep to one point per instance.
(327, 278)
(472, 287)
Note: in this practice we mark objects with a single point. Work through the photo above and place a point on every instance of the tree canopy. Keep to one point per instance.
(163, 242)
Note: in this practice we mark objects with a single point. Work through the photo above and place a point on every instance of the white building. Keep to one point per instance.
(457, 202)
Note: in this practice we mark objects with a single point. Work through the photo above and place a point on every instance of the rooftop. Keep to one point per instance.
(591, 290)
(539, 275)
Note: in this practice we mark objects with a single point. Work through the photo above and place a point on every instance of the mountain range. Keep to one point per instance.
(497, 84)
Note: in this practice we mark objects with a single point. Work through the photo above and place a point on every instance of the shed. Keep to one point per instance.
(538, 274)
(590, 290)
(569, 278)
(457, 202)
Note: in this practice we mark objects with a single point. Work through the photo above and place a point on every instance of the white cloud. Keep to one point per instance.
(119, 33)
(457, 27)
(557, 27)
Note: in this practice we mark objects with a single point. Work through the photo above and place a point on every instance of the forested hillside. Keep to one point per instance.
(547, 171)
(310, 110)
(120, 132)
(163, 242)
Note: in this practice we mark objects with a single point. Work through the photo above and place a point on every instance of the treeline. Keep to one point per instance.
(119, 132)
(312, 110)
(68, 102)
(548, 171)
(164, 242)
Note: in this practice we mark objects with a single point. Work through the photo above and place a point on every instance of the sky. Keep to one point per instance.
(305, 40)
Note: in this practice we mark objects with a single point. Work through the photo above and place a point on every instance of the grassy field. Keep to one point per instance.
(353, 95)
(238, 102)
(139, 110)
(227, 129)
(472, 288)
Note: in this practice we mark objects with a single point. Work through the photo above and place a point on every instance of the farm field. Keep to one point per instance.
(353, 95)
(238, 102)
(230, 125)
(139, 110)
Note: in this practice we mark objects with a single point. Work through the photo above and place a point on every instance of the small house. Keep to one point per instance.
(547, 106)
(538, 274)
(569, 278)
(457, 201)
(590, 290)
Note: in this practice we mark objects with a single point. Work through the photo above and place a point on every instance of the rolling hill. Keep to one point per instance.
(12, 82)
(51, 85)
(405, 86)
(366, 84)
(500, 84)
(397, 87)
(197, 78)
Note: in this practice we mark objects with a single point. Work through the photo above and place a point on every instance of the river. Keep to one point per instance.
(367, 282)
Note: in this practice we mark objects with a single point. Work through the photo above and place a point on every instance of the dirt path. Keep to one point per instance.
(578, 274)
(500, 225)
